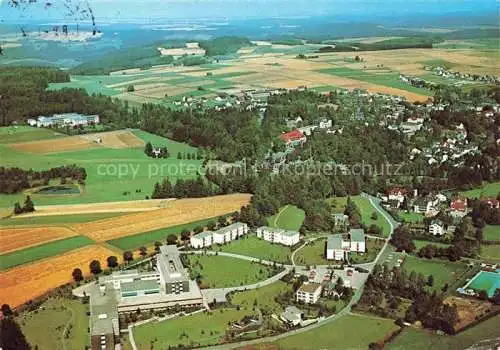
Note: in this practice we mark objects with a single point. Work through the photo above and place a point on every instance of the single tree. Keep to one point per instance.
(171, 239)
(148, 149)
(18, 209)
(130, 88)
(6, 310)
(430, 280)
(29, 206)
(157, 246)
(128, 256)
(112, 261)
(95, 267)
(143, 251)
(77, 274)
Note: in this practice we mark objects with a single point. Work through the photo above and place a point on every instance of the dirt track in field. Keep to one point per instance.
(176, 212)
(26, 282)
(12, 239)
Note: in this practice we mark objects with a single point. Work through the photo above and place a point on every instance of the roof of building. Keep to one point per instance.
(170, 265)
(203, 234)
(396, 190)
(334, 242)
(437, 222)
(290, 233)
(292, 135)
(291, 313)
(139, 285)
(458, 204)
(309, 287)
(357, 235)
(233, 226)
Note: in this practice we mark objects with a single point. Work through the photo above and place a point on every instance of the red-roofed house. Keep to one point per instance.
(397, 194)
(492, 202)
(458, 206)
(293, 138)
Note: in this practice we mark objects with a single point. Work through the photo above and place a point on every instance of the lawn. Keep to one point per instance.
(57, 219)
(196, 330)
(263, 298)
(288, 218)
(44, 327)
(313, 254)
(488, 190)
(149, 238)
(389, 79)
(367, 210)
(413, 339)
(14, 134)
(351, 332)
(420, 244)
(42, 251)
(491, 252)
(411, 217)
(443, 271)
(373, 247)
(250, 245)
(491, 233)
(223, 271)
(112, 174)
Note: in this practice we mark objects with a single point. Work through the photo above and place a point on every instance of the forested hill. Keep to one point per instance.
(23, 95)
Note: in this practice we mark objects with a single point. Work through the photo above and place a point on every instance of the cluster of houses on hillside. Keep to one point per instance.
(221, 236)
(65, 119)
(399, 198)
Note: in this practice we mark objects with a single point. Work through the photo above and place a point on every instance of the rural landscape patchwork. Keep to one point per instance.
(268, 174)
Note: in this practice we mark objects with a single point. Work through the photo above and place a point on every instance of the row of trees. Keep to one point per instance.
(28, 206)
(189, 188)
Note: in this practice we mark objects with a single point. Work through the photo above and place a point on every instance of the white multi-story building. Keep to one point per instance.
(309, 293)
(277, 235)
(202, 239)
(221, 236)
(335, 248)
(65, 119)
(436, 228)
(358, 243)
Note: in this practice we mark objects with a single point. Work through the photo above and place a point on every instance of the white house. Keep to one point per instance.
(426, 205)
(397, 194)
(357, 243)
(277, 235)
(309, 293)
(436, 228)
(325, 123)
(335, 248)
(202, 239)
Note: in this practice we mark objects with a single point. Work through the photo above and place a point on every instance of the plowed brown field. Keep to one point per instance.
(12, 239)
(176, 212)
(29, 281)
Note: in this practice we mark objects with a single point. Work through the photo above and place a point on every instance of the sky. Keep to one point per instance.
(121, 10)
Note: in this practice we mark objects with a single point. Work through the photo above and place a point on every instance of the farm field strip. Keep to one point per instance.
(28, 281)
(51, 220)
(12, 239)
(42, 251)
(177, 212)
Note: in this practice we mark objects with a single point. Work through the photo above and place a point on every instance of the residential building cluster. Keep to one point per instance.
(337, 247)
(221, 236)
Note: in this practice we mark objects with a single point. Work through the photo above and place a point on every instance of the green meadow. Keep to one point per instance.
(491, 189)
(42, 251)
(288, 218)
(250, 245)
(112, 174)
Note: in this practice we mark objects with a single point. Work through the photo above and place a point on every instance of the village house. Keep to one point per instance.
(458, 207)
(436, 228)
(341, 220)
(491, 202)
(277, 235)
(397, 194)
(309, 293)
(426, 205)
(293, 138)
(221, 236)
(308, 129)
(292, 315)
